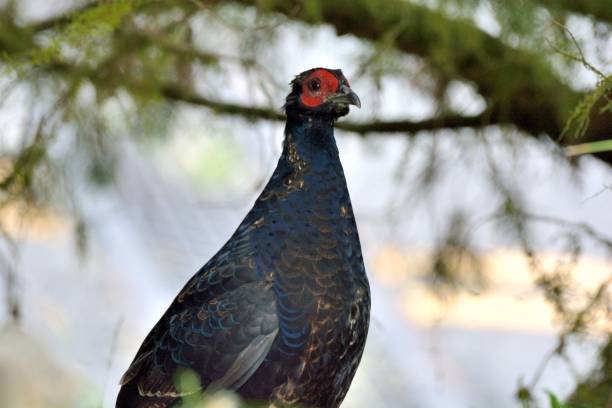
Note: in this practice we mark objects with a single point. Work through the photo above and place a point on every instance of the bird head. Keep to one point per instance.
(321, 91)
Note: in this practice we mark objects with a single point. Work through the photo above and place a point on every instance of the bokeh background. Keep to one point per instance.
(135, 135)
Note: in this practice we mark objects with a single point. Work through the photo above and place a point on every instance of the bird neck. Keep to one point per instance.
(309, 140)
(309, 172)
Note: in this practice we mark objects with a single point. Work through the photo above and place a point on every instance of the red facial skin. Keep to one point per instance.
(328, 85)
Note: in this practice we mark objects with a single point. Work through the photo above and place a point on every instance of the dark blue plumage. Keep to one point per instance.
(281, 312)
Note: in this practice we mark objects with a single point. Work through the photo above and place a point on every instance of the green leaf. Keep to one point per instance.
(555, 403)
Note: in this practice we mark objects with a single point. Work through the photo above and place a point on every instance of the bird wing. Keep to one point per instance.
(225, 315)
(223, 340)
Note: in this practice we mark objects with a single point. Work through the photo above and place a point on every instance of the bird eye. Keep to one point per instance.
(314, 85)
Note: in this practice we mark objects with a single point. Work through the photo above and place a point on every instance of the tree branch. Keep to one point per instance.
(174, 92)
(520, 86)
(61, 19)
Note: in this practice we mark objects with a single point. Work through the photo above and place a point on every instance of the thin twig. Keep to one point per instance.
(581, 58)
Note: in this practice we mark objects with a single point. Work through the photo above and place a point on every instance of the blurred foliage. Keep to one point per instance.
(596, 390)
(107, 69)
(456, 266)
(187, 382)
(555, 403)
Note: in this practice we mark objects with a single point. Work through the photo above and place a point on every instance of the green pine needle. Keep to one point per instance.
(589, 148)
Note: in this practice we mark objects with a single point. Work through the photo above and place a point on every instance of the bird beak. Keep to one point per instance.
(345, 96)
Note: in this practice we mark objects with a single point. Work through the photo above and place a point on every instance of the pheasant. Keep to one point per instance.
(280, 314)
